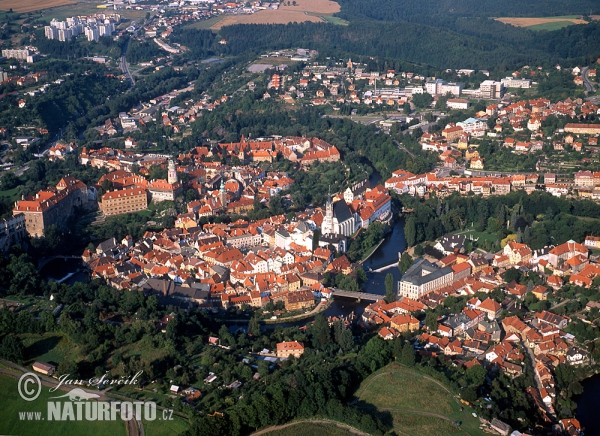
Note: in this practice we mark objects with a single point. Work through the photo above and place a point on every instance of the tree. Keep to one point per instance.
(408, 355)
(431, 321)
(320, 332)
(254, 326)
(12, 349)
(405, 263)
(390, 291)
(410, 231)
(10, 181)
(476, 375)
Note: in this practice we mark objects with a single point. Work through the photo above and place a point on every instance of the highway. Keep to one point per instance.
(589, 88)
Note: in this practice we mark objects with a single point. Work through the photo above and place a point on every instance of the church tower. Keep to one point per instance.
(327, 226)
(172, 172)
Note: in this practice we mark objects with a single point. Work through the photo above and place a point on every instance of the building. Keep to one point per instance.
(287, 349)
(24, 55)
(511, 82)
(124, 201)
(422, 278)
(338, 219)
(404, 323)
(458, 103)
(12, 231)
(299, 300)
(51, 206)
(582, 129)
(44, 368)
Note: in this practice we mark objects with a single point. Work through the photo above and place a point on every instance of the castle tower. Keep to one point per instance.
(223, 194)
(349, 64)
(172, 172)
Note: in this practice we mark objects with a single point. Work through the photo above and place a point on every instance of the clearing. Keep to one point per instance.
(545, 23)
(304, 10)
(32, 5)
(413, 403)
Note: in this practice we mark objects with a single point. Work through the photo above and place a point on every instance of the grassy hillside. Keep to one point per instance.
(309, 428)
(11, 404)
(415, 404)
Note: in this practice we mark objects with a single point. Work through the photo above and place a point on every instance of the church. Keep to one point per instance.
(339, 220)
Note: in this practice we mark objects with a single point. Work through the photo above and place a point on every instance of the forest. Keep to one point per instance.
(538, 219)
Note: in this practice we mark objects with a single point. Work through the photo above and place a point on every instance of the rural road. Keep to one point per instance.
(589, 88)
(401, 147)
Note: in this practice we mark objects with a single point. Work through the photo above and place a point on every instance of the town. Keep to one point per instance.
(274, 227)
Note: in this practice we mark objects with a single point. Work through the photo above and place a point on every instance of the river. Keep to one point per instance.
(588, 405)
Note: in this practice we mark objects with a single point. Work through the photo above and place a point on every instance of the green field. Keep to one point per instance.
(206, 24)
(10, 424)
(555, 25)
(310, 428)
(165, 428)
(481, 235)
(412, 403)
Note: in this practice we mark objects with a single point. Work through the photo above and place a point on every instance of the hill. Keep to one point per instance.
(413, 403)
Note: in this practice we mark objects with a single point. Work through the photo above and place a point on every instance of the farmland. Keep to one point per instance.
(545, 23)
(415, 404)
(32, 5)
(303, 10)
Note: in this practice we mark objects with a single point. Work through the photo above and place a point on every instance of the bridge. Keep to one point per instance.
(358, 295)
(45, 261)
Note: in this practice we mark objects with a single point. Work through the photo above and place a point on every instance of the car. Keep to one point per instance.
(474, 415)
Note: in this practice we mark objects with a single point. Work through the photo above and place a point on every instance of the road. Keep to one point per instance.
(589, 88)
(401, 147)
(125, 66)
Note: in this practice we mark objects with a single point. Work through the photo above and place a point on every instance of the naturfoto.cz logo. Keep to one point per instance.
(77, 405)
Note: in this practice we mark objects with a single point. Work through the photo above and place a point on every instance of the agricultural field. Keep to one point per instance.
(413, 403)
(32, 5)
(304, 10)
(545, 23)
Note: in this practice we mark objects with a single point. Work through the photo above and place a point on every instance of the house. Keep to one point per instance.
(287, 349)
(44, 368)
(450, 244)
(404, 323)
(491, 307)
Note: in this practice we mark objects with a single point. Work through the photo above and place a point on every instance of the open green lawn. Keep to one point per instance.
(481, 235)
(412, 403)
(304, 428)
(555, 25)
(11, 424)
